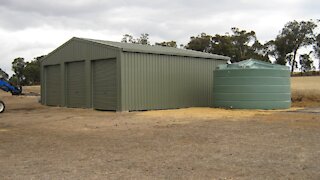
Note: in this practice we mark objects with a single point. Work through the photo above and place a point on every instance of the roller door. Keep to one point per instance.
(104, 92)
(53, 85)
(76, 93)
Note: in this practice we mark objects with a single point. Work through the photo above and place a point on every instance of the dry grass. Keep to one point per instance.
(305, 91)
(31, 89)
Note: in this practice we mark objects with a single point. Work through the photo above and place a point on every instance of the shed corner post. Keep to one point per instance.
(211, 101)
(42, 84)
(119, 64)
(63, 84)
(88, 83)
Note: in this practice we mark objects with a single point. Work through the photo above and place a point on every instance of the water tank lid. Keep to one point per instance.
(252, 64)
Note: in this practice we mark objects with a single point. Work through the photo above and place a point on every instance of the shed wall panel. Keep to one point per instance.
(151, 81)
(104, 89)
(79, 50)
(76, 90)
(53, 85)
(76, 50)
(143, 81)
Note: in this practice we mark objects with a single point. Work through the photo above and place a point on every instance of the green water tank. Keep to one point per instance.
(252, 84)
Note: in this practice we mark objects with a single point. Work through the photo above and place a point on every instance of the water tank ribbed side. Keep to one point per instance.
(252, 88)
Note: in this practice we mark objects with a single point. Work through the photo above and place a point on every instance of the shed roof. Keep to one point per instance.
(151, 49)
(252, 64)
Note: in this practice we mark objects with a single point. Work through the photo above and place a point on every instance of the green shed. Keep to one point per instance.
(252, 84)
(88, 73)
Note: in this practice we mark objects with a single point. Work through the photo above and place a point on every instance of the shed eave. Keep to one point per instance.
(156, 50)
(204, 56)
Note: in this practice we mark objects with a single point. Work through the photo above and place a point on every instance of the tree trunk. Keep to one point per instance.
(293, 61)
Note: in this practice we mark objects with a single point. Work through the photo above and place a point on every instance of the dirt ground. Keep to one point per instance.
(39, 142)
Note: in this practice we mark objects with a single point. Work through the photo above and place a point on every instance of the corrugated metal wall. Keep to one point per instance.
(76, 87)
(152, 81)
(144, 81)
(77, 50)
(53, 85)
(104, 85)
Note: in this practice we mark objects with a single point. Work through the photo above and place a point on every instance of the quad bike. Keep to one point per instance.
(7, 87)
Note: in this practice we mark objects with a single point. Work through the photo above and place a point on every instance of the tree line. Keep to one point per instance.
(26, 73)
(238, 45)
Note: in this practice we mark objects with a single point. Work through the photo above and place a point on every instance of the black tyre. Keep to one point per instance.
(2, 106)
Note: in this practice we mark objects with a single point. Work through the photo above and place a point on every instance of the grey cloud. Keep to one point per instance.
(163, 19)
(155, 17)
(98, 14)
(310, 9)
(54, 8)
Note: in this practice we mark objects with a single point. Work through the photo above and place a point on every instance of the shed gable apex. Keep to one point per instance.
(75, 40)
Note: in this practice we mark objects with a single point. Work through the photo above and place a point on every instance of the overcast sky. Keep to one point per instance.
(30, 28)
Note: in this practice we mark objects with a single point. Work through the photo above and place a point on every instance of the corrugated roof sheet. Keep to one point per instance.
(129, 47)
(252, 64)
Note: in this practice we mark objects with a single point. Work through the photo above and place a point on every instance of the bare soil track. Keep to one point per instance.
(38, 142)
